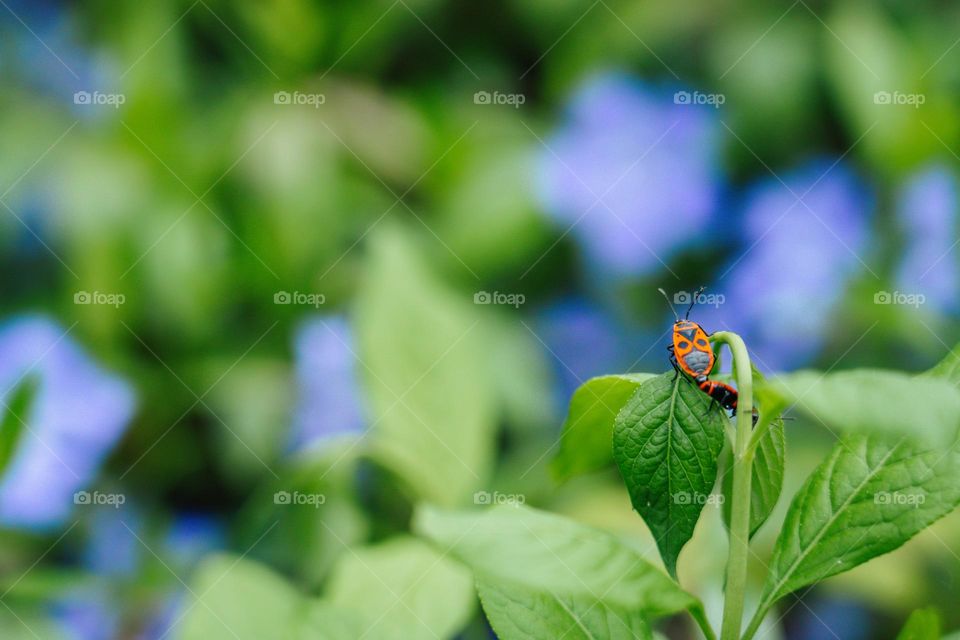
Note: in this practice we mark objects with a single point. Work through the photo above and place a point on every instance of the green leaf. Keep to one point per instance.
(306, 540)
(518, 612)
(586, 443)
(490, 218)
(405, 590)
(948, 368)
(15, 418)
(236, 598)
(868, 53)
(253, 398)
(16, 624)
(517, 363)
(875, 401)
(422, 357)
(666, 442)
(551, 554)
(767, 476)
(320, 620)
(868, 498)
(923, 624)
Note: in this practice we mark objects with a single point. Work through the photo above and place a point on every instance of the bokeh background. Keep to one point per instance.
(363, 252)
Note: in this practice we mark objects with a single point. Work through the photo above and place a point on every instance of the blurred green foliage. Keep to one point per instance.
(398, 199)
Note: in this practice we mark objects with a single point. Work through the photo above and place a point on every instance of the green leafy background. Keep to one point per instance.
(400, 199)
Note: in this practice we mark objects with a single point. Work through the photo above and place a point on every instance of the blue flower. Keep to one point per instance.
(112, 547)
(329, 400)
(653, 162)
(582, 342)
(78, 413)
(927, 214)
(835, 618)
(191, 537)
(50, 56)
(796, 261)
(87, 614)
(164, 616)
(114, 551)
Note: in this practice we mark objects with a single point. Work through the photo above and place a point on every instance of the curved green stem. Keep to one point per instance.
(736, 583)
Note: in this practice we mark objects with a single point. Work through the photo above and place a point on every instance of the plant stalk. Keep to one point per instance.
(736, 582)
(756, 621)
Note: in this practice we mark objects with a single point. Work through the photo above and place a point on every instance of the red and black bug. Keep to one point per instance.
(690, 349)
(691, 352)
(725, 395)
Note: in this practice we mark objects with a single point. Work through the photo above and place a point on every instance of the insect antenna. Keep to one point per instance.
(693, 301)
(665, 297)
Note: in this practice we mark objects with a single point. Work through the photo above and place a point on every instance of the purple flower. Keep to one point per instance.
(329, 401)
(651, 160)
(795, 263)
(927, 213)
(77, 414)
(87, 614)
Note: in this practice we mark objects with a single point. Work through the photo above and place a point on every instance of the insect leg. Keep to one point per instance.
(676, 367)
